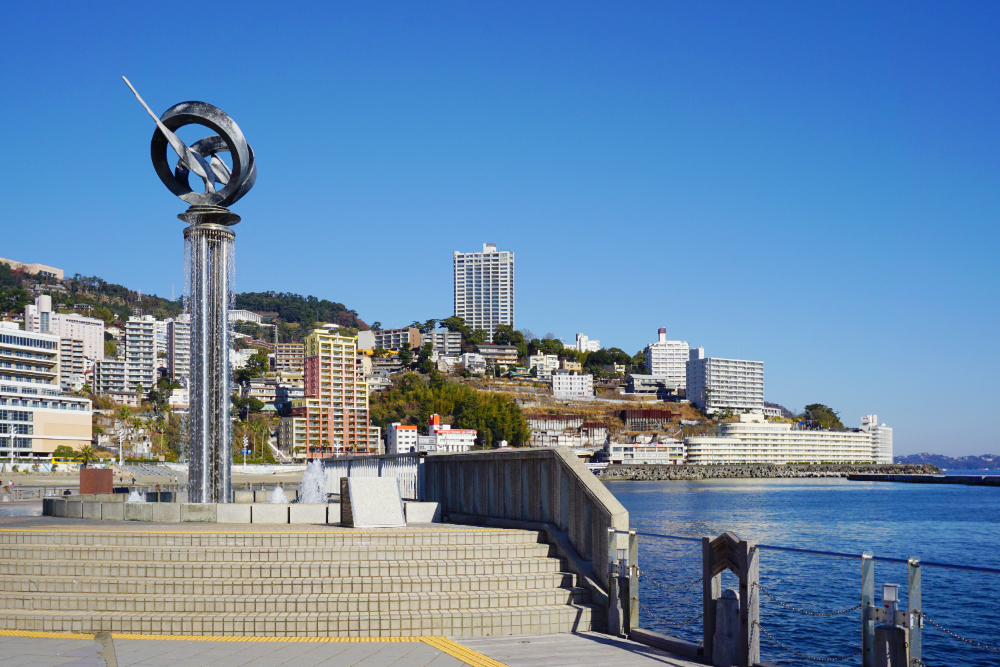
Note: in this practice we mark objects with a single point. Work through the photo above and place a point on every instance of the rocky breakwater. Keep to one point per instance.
(670, 472)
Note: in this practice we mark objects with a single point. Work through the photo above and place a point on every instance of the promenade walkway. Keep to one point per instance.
(560, 650)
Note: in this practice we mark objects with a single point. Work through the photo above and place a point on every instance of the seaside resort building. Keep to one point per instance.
(35, 416)
(754, 440)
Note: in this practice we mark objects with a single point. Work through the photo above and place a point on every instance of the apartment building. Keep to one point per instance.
(584, 344)
(484, 288)
(755, 440)
(40, 318)
(668, 358)
(498, 355)
(572, 386)
(179, 348)
(140, 353)
(446, 343)
(393, 339)
(400, 438)
(725, 384)
(336, 403)
(72, 362)
(289, 357)
(881, 438)
(542, 365)
(35, 416)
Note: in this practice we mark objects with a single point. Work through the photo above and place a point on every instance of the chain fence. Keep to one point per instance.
(671, 588)
(948, 632)
(803, 611)
(803, 655)
(665, 622)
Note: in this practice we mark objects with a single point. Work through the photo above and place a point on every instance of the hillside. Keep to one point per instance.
(984, 462)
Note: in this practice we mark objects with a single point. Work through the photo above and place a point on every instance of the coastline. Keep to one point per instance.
(652, 472)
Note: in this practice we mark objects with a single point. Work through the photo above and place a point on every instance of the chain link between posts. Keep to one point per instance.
(657, 618)
(803, 611)
(803, 655)
(671, 588)
(948, 632)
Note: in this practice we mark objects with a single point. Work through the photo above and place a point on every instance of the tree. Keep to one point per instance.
(110, 348)
(823, 417)
(405, 355)
(65, 452)
(380, 352)
(504, 334)
(478, 336)
(246, 406)
(424, 363)
(526, 333)
(257, 365)
(376, 326)
(425, 327)
(87, 455)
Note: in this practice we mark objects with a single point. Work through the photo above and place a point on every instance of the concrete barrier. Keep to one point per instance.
(232, 513)
(243, 497)
(167, 512)
(74, 509)
(139, 511)
(198, 512)
(311, 513)
(417, 512)
(91, 510)
(59, 507)
(113, 511)
(47, 505)
(547, 487)
(269, 513)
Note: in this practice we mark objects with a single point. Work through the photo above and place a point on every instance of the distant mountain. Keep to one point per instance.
(984, 462)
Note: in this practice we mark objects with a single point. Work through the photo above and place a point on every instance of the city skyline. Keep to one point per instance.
(815, 189)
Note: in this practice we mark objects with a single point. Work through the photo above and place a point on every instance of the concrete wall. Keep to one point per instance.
(545, 485)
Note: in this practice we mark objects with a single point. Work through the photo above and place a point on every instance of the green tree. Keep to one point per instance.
(405, 355)
(376, 326)
(823, 417)
(424, 363)
(110, 348)
(257, 365)
(246, 406)
(65, 452)
(87, 455)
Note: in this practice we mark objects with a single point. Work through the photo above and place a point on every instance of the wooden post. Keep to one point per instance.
(867, 600)
(726, 645)
(711, 589)
(749, 649)
(914, 605)
(633, 582)
(891, 646)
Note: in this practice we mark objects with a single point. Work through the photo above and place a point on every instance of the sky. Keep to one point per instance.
(809, 185)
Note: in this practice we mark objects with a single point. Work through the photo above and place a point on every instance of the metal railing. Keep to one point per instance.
(16, 493)
(910, 624)
(407, 468)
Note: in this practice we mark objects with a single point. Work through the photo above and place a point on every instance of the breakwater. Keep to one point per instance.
(677, 472)
(969, 480)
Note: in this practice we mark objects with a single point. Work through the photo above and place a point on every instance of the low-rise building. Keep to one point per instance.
(444, 341)
(754, 440)
(542, 365)
(400, 438)
(663, 452)
(584, 344)
(660, 386)
(573, 386)
(568, 365)
(498, 355)
(34, 269)
(245, 316)
(472, 362)
(393, 339)
(442, 438)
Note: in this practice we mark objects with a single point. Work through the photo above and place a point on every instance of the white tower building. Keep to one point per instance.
(881, 438)
(668, 358)
(484, 288)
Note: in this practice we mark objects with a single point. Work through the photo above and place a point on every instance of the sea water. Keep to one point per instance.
(944, 523)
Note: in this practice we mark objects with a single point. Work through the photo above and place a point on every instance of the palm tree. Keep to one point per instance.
(87, 455)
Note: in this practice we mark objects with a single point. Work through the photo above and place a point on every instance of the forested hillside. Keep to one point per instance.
(297, 308)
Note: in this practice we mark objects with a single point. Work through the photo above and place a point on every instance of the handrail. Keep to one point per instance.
(837, 554)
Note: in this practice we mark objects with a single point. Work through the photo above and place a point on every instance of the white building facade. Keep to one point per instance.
(668, 358)
(40, 318)
(572, 386)
(545, 364)
(245, 316)
(725, 384)
(881, 438)
(400, 439)
(754, 440)
(140, 353)
(584, 344)
(484, 288)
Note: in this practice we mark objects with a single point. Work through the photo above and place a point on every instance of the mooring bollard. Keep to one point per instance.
(725, 644)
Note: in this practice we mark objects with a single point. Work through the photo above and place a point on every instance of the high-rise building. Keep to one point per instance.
(484, 288)
(881, 438)
(40, 318)
(72, 364)
(179, 348)
(35, 416)
(140, 353)
(336, 404)
(668, 358)
(725, 384)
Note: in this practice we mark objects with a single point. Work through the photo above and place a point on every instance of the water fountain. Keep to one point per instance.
(312, 488)
(209, 279)
(135, 497)
(278, 496)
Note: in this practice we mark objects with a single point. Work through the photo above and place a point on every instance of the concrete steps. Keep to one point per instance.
(289, 584)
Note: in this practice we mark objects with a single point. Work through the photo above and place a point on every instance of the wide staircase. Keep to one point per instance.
(335, 583)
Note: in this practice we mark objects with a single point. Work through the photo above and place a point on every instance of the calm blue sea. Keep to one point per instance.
(948, 523)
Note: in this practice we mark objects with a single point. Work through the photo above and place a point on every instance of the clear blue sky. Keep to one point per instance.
(813, 186)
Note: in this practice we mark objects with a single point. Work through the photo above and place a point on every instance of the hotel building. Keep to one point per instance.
(668, 359)
(754, 440)
(724, 384)
(35, 416)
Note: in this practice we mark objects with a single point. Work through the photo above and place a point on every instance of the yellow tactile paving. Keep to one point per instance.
(443, 644)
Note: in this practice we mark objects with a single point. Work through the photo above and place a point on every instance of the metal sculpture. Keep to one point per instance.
(209, 249)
